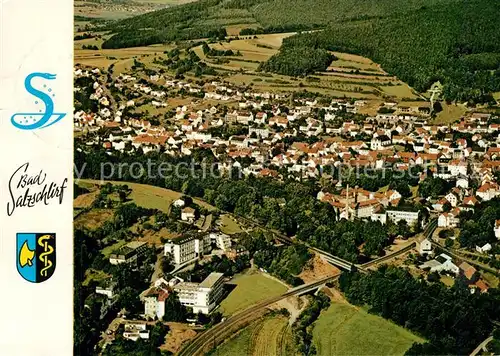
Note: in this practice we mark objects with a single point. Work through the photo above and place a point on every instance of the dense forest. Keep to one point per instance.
(453, 320)
(457, 44)
(476, 227)
(298, 61)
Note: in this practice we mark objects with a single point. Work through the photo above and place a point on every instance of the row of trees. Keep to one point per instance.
(301, 328)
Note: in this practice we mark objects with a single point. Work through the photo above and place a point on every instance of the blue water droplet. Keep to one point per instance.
(45, 85)
(50, 90)
(40, 110)
(53, 95)
(36, 102)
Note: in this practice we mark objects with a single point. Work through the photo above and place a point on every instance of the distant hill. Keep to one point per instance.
(420, 41)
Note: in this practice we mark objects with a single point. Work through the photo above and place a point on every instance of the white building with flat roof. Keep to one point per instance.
(128, 253)
(135, 331)
(411, 217)
(187, 248)
(201, 297)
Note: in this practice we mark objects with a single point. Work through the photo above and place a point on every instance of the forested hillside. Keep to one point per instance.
(420, 41)
(458, 44)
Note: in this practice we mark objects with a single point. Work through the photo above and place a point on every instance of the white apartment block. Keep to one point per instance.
(411, 217)
(187, 248)
(201, 297)
(128, 253)
(107, 288)
(222, 241)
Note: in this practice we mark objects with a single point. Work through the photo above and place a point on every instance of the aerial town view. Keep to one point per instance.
(287, 177)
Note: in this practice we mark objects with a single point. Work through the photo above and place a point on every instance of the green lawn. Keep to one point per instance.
(345, 330)
(106, 251)
(149, 196)
(94, 275)
(250, 289)
(229, 226)
(450, 114)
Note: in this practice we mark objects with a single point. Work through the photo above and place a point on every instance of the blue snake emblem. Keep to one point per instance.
(44, 118)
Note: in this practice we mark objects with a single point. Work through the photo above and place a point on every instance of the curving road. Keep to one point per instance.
(481, 346)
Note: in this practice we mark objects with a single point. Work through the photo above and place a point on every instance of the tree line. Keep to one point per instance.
(453, 320)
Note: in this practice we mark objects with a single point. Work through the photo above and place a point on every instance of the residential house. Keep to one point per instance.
(484, 249)
(154, 301)
(442, 263)
(496, 229)
(449, 219)
(488, 191)
(188, 214)
(425, 247)
(135, 331)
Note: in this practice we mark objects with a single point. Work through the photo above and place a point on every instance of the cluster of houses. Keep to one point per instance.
(377, 206)
(399, 140)
(444, 264)
(280, 136)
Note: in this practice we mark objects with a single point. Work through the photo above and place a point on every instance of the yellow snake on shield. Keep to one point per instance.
(48, 250)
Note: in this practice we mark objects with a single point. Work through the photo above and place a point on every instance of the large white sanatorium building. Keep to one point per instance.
(201, 297)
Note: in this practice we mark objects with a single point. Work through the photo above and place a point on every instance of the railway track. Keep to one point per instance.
(389, 256)
(210, 338)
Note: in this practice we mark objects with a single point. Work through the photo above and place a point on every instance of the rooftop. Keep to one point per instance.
(211, 280)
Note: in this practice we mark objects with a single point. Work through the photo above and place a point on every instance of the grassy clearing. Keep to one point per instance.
(165, 2)
(94, 275)
(151, 197)
(270, 338)
(229, 226)
(109, 249)
(414, 191)
(234, 30)
(266, 337)
(239, 345)
(450, 114)
(491, 279)
(93, 219)
(84, 200)
(250, 289)
(353, 61)
(448, 281)
(401, 91)
(123, 58)
(341, 328)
